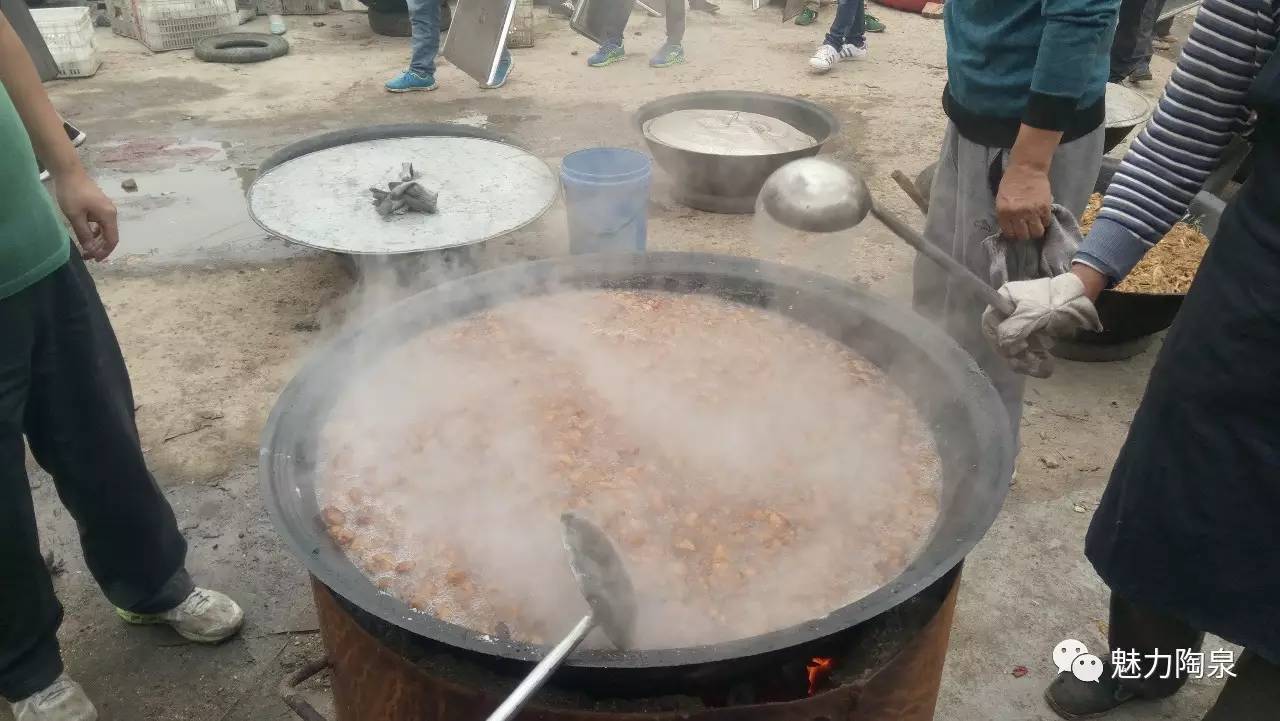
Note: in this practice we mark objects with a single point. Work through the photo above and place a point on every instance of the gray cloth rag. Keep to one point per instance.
(1044, 258)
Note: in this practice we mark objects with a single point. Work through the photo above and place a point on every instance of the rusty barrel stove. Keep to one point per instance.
(879, 657)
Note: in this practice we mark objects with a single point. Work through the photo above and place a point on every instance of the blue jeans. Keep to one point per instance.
(424, 17)
(850, 25)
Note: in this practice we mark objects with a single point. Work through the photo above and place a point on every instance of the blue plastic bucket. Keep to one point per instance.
(606, 196)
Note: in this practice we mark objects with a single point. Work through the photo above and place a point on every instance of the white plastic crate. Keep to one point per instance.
(521, 33)
(303, 7)
(172, 24)
(69, 34)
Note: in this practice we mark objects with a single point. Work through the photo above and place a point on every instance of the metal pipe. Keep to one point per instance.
(949, 264)
(543, 670)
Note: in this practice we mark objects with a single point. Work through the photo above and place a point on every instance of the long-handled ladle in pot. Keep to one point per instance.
(604, 582)
(819, 196)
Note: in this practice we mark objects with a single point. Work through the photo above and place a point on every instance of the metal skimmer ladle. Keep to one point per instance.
(605, 584)
(819, 196)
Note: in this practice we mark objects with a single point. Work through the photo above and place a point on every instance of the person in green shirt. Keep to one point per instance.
(64, 388)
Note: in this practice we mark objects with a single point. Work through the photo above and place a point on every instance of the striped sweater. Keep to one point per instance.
(1202, 108)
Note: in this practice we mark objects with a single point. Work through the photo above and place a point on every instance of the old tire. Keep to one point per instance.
(390, 24)
(241, 48)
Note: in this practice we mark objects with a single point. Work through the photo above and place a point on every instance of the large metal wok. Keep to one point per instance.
(969, 423)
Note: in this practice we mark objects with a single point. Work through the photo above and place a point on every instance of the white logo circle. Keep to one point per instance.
(1087, 667)
(1066, 652)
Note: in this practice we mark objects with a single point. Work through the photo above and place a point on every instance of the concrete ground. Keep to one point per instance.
(214, 316)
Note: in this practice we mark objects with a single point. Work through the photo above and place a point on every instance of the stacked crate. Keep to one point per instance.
(172, 24)
(521, 33)
(69, 34)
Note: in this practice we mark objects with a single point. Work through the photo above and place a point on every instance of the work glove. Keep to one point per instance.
(1045, 309)
(1044, 258)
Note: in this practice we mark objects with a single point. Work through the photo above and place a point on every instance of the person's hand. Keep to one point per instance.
(1024, 202)
(92, 214)
(1044, 309)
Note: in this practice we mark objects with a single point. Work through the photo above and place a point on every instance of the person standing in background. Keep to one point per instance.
(275, 16)
(619, 13)
(1131, 49)
(65, 393)
(424, 20)
(810, 14)
(1025, 95)
(847, 38)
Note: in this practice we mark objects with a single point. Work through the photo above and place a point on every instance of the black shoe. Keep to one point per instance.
(1072, 699)
(74, 134)
(1138, 76)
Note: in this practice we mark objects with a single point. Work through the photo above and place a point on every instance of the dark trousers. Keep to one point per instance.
(1253, 694)
(620, 14)
(1135, 29)
(63, 385)
(850, 24)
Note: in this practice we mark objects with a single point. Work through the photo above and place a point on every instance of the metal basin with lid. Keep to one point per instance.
(730, 183)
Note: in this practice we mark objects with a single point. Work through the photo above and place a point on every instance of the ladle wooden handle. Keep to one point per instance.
(975, 284)
(543, 670)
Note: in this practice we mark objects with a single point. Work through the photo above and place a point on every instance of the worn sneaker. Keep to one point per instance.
(667, 55)
(824, 58)
(205, 617)
(504, 71)
(63, 700)
(1141, 75)
(1073, 699)
(409, 81)
(872, 25)
(806, 16)
(849, 51)
(608, 54)
(705, 6)
(563, 9)
(276, 24)
(74, 134)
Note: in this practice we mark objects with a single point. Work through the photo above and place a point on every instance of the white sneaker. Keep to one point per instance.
(205, 617)
(824, 58)
(849, 51)
(63, 700)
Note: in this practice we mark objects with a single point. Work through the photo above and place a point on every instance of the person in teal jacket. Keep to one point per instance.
(1026, 81)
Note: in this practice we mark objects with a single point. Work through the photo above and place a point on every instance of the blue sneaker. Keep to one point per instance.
(608, 54)
(504, 71)
(409, 80)
(667, 55)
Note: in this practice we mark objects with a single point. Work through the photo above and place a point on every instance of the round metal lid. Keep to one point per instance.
(322, 199)
(1126, 107)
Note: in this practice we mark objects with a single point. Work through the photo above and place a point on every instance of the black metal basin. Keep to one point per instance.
(955, 398)
(1130, 320)
(730, 183)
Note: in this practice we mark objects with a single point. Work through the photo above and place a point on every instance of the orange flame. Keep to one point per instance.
(819, 668)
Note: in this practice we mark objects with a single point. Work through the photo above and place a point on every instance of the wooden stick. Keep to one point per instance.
(910, 189)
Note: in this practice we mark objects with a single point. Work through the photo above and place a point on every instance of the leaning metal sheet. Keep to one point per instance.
(322, 199)
(477, 35)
